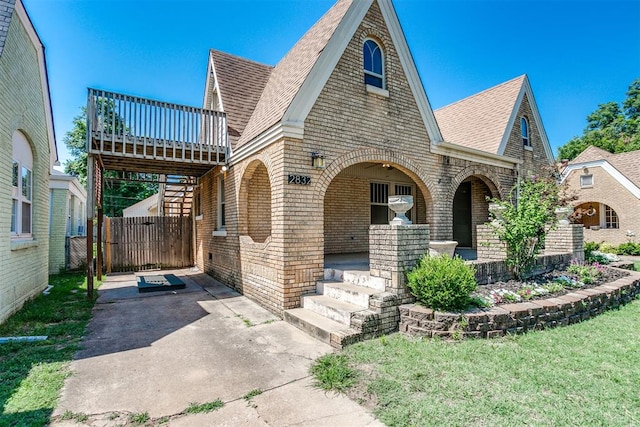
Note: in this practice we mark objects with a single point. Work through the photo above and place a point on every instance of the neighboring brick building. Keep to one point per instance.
(29, 148)
(67, 220)
(608, 190)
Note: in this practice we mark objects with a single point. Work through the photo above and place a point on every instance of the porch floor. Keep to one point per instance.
(360, 260)
(353, 261)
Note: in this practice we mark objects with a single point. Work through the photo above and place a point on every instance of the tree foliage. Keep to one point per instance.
(525, 221)
(613, 127)
(117, 194)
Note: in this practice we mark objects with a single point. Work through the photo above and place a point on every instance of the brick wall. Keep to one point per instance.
(489, 246)
(566, 238)
(394, 250)
(346, 216)
(58, 230)
(24, 265)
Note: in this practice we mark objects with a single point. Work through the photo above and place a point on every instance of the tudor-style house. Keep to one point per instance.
(319, 142)
(608, 189)
(28, 144)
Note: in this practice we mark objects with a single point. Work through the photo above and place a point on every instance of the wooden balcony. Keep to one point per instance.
(130, 133)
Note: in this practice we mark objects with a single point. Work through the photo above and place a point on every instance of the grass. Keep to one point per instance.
(636, 266)
(253, 393)
(198, 408)
(32, 374)
(333, 373)
(584, 374)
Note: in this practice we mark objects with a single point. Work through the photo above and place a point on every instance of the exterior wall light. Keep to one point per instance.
(317, 160)
(225, 168)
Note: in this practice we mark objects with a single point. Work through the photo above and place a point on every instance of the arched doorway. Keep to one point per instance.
(471, 208)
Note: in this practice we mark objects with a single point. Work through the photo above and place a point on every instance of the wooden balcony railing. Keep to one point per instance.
(128, 126)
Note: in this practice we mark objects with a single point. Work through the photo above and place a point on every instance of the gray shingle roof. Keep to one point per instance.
(6, 10)
(290, 73)
(480, 121)
(240, 83)
(626, 163)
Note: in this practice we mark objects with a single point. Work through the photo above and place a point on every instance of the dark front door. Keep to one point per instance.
(462, 215)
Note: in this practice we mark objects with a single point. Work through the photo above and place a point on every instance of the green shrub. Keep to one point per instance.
(629, 248)
(590, 247)
(607, 248)
(442, 283)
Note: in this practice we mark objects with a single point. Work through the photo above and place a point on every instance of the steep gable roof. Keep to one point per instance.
(480, 121)
(292, 70)
(299, 77)
(628, 164)
(239, 83)
(6, 10)
(485, 120)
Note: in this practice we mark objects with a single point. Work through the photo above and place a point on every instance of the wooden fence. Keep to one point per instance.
(144, 243)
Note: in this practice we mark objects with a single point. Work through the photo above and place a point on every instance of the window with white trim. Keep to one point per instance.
(586, 181)
(22, 187)
(222, 222)
(524, 128)
(373, 64)
(610, 218)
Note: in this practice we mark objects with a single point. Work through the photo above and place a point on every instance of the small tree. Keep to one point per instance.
(525, 221)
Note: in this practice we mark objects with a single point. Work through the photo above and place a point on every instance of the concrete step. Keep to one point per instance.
(328, 307)
(313, 323)
(356, 277)
(346, 292)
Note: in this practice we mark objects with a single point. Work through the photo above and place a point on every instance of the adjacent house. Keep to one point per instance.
(27, 140)
(608, 190)
(313, 147)
(67, 222)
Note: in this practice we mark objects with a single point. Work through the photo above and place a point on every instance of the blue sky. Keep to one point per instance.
(578, 54)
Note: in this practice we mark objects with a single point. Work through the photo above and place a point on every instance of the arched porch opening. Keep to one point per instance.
(471, 208)
(357, 197)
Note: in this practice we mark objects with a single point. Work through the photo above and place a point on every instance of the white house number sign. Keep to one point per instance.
(299, 180)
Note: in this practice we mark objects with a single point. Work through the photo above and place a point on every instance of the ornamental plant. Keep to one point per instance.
(526, 219)
(442, 283)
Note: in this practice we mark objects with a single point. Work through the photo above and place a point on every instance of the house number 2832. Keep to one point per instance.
(299, 179)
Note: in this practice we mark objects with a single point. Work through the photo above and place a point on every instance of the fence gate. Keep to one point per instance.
(144, 243)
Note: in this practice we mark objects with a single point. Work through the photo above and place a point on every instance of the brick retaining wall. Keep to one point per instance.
(578, 305)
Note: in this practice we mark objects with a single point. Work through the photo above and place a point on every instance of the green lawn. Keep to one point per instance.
(31, 374)
(584, 374)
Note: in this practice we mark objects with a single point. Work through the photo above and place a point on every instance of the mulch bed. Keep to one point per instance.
(608, 275)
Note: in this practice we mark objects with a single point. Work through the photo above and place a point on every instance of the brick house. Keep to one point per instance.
(27, 140)
(348, 93)
(608, 190)
(317, 144)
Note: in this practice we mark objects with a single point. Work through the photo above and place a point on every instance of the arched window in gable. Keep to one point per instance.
(524, 127)
(21, 186)
(373, 64)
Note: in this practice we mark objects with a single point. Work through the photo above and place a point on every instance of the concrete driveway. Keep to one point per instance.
(158, 352)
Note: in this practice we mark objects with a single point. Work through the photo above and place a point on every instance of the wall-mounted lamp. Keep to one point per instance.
(386, 165)
(224, 168)
(317, 160)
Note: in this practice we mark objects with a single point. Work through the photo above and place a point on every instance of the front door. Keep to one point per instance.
(462, 215)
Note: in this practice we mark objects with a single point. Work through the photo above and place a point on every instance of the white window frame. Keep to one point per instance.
(221, 217)
(22, 161)
(372, 73)
(608, 214)
(585, 185)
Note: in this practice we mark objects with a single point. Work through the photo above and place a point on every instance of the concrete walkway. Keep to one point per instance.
(159, 352)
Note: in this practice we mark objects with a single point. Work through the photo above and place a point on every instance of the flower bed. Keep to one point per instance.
(541, 312)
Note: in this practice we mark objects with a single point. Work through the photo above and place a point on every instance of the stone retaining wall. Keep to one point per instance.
(578, 305)
(493, 271)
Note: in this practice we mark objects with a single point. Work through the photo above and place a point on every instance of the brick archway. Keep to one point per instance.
(254, 201)
(372, 155)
